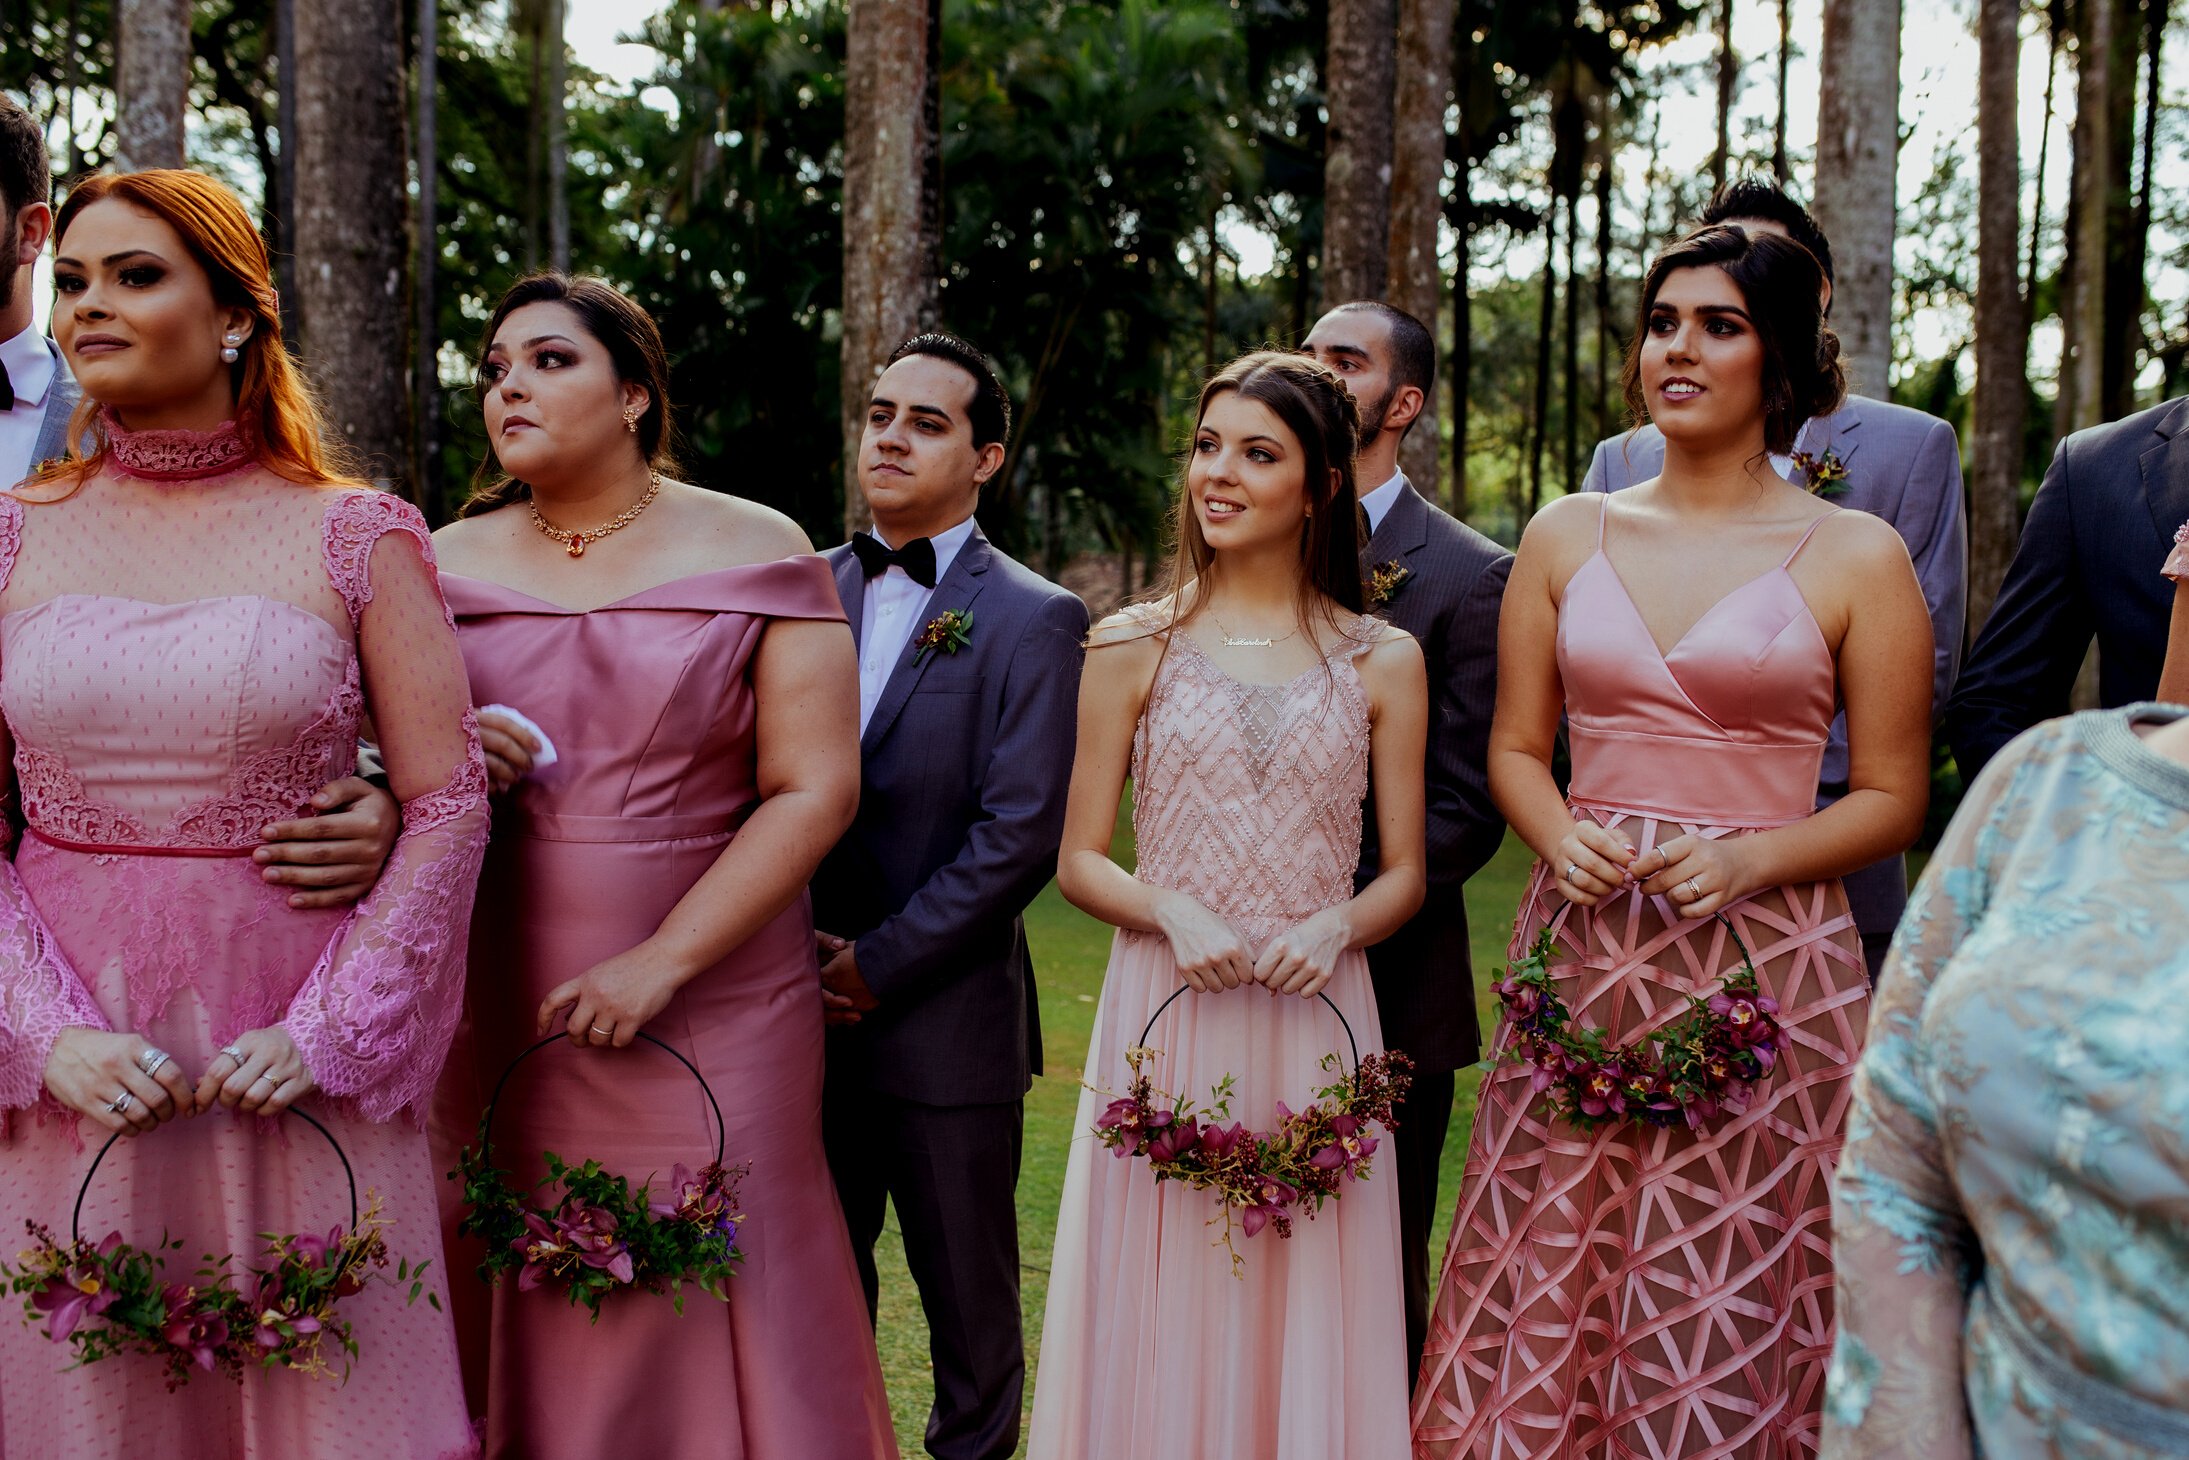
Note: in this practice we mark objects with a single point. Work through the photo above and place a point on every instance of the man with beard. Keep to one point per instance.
(1442, 582)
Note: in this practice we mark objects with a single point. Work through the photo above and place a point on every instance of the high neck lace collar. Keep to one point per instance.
(181, 456)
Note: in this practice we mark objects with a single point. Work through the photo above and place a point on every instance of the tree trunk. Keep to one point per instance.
(2126, 290)
(2081, 399)
(1571, 475)
(1858, 142)
(2002, 335)
(1359, 80)
(351, 181)
(556, 112)
(1780, 168)
(285, 166)
(1729, 68)
(886, 290)
(1417, 203)
(1607, 334)
(2055, 26)
(1546, 316)
(151, 82)
(2124, 246)
(1463, 227)
(426, 368)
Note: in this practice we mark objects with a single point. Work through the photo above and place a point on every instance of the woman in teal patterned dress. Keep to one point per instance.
(2011, 1216)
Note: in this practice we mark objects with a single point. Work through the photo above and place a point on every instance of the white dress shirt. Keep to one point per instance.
(896, 609)
(31, 366)
(1377, 504)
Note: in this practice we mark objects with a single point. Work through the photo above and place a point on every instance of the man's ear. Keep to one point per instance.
(988, 463)
(33, 231)
(1405, 408)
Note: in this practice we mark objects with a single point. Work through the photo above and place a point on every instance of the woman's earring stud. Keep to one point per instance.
(228, 348)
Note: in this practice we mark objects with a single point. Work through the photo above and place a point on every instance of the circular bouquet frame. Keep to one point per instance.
(113, 1297)
(1263, 1175)
(603, 1237)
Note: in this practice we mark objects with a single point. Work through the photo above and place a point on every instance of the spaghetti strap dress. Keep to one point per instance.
(1638, 1291)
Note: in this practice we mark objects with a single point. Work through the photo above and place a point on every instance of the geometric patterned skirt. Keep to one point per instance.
(1661, 1294)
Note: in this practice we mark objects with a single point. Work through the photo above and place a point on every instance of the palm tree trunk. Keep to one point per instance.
(2124, 243)
(2002, 336)
(1779, 166)
(351, 179)
(1858, 144)
(1359, 79)
(1728, 73)
(1539, 425)
(1416, 282)
(151, 82)
(1571, 475)
(886, 290)
(1607, 334)
(426, 369)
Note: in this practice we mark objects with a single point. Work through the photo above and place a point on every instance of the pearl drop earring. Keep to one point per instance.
(228, 347)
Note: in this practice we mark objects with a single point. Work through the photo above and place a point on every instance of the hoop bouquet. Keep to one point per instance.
(1708, 1060)
(116, 1298)
(595, 1235)
(1306, 1159)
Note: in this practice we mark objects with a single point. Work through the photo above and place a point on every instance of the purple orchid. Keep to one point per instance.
(542, 1247)
(1175, 1140)
(591, 1234)
(699, 1198)
(193, 1329)
(1270, 1198)
(1603, 1091)
(71, 1296)
(1350, 1147)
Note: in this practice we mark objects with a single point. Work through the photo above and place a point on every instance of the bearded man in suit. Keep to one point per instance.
(1443, 582)
(1887, 460)
(968, 714)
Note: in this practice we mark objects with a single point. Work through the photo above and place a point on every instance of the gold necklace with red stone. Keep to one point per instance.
(574, 543)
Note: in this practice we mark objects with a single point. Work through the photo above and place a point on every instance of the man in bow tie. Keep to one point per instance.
(328, 858)
(968, 702)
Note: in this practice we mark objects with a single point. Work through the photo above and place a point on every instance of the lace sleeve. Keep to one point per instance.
(1902, 1246)
(2176, 565)
(374, 1020)
(40, 995)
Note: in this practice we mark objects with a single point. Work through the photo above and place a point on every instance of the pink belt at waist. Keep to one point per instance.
(105, 849)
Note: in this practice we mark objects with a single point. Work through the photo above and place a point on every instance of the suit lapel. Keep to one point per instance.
(61, 398)
(2165, 467)
(955, 593)
(1837, 433)
(851, 589)
(1405, 529)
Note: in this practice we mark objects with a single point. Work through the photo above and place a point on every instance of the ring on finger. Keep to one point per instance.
(604, 1033)
(120, 1104)
(1573, 873)
(151, 1060)
(233, 1053)
(264, 1079)
(1694, 889)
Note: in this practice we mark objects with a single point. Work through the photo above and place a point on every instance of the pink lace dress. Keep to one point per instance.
(1248, 797)
(180, 664)
(1644, 1292)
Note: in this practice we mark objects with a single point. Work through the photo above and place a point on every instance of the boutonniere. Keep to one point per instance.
(1384, 582)
(1826, 474)
(946, 633)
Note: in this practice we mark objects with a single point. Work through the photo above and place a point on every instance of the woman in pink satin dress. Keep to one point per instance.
(686, 656)
(1666, 1290)
(194, 617)
(1254, 708)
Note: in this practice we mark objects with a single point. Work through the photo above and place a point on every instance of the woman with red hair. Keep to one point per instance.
(196, 612)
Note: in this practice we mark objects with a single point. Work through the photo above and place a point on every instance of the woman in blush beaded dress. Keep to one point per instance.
(1663, 1287)
(194, 618)
(1253, 708)
(686, 655)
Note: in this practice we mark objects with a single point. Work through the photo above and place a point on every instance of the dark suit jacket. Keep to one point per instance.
(2088, 565)
(1423, 975)
(965, 764)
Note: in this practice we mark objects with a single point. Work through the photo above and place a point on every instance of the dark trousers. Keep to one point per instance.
(953, 1174)
(1417, 1153)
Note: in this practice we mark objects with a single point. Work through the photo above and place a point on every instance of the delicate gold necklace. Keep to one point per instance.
(574, 542)
(1231, 642)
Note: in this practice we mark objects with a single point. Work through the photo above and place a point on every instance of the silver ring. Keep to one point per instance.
(255, 1083)
(235, 1054)
(120, 1103)
(1573, 873)
(1694, 892)
(151, 1060)
(604, 1033)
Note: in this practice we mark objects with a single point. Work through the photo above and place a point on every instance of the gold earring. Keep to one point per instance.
(630, 422)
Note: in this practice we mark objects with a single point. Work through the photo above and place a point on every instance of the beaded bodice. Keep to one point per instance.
(1248, 796)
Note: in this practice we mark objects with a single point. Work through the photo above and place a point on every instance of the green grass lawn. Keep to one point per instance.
(1070, 950)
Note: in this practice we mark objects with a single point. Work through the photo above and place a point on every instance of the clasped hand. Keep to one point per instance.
(1697, 875)
(90, 1070)
(1211, 955)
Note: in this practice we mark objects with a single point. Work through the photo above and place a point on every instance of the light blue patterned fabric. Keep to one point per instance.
(2011, 1215)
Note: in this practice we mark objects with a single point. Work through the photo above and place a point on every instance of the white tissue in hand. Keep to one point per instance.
(546, 756)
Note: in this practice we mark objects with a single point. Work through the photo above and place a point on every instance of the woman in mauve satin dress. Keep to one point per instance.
(1666, 1290)
(686, 655)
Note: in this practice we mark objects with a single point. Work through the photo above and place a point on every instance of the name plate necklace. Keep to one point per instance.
(1234, 641)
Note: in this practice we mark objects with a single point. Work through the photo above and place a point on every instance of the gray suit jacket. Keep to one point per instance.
(2087, 566)
(61, 398)
(964, 768)
(1423, 974)
(1905, 467)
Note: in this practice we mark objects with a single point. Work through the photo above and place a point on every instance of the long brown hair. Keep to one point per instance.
(1323, 417)
(633, 342)
(271, 394)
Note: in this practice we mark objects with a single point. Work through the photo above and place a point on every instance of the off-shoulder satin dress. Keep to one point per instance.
(1643, 1292)
(650, 704)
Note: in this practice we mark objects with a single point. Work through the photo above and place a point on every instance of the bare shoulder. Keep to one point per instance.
(1136, 628)
(1856, 543)
(731, 532)
(1564, 527)
(469, 544)
(1392, 660)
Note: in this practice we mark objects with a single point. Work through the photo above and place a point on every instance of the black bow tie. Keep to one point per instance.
(7, 389)
(916, 557)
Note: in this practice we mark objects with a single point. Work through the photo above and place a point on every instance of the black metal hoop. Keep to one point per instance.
(486, 1128)
(75, 1220)
(1351, 1043)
